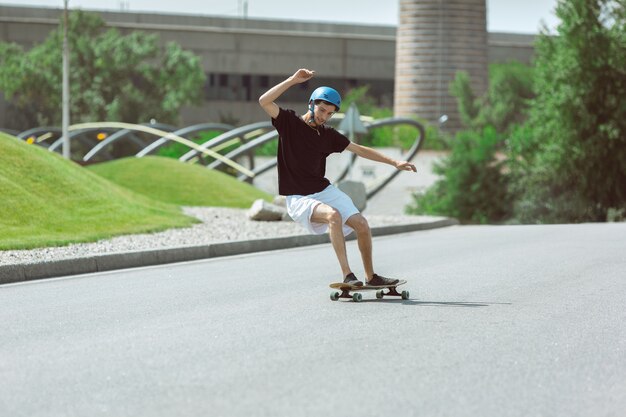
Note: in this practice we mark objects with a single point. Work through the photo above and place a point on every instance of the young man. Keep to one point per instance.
(303, 146)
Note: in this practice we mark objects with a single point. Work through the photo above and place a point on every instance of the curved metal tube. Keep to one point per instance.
(258, 171)
(37, 130)
(238, 132)
(119, 135)
(156, 132)
(184, 132)
(57, 143)
(248, 147)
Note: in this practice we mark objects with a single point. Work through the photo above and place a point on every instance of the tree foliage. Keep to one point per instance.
(574, 167)
(504, 104)
(113, 77)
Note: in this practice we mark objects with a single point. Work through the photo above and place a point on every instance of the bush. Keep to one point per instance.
(473, 187)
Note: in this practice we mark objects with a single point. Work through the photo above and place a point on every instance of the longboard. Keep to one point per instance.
(346, 289)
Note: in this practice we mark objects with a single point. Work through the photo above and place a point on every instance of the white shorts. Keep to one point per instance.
(300, 208)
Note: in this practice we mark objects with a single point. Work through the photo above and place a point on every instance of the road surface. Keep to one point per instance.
(502, 321)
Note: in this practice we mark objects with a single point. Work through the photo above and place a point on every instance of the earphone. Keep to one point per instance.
(311, 109)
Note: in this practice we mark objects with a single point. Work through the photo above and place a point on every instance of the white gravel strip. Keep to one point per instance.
(218, 225)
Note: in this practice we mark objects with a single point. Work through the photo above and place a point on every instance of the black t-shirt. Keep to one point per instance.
(302, 153)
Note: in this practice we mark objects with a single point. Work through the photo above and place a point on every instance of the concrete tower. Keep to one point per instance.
(435, 39)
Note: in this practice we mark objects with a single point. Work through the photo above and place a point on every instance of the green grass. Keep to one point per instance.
(171, 181)
(46, 200)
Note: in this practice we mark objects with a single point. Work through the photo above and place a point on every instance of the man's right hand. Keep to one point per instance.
(267, 99)
(302, 75)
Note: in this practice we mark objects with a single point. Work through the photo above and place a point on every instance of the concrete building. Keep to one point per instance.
(244, 57)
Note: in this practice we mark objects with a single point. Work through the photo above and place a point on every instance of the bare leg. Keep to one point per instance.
(326, 214)
(364, 238)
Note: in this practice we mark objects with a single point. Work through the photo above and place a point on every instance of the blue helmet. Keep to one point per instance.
(327, 94)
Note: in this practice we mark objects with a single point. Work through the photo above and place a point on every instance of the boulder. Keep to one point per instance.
(280, 200)
(261, 210)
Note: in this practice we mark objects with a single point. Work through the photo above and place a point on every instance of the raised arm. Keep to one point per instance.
(371, 154)
(267, 99)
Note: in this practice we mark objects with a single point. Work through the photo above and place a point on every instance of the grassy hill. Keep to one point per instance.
(170, 181)
(46, 200)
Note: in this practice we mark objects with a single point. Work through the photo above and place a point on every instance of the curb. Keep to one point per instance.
(100, 263)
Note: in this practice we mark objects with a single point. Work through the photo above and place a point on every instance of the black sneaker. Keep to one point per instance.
(378, 280)
(352, 280)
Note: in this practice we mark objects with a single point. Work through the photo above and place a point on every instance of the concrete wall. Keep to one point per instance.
(244, 57)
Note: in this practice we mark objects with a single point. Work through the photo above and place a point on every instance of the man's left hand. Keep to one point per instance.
(405, 166)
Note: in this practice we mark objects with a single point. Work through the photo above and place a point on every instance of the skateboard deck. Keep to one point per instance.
(346, 289)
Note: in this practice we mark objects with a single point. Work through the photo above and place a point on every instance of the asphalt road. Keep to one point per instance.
(502, 321)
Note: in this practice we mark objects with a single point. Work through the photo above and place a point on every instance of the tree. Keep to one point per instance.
(113, 77)
(504, 104)
(574, 167)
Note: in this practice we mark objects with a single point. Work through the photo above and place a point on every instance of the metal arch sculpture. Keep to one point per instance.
(247, 148)
(72, 134)
(39, 132)
(43, 133)
(36, 130)
(224, 137)
(121, 134)
(184, 132)
(161, 133)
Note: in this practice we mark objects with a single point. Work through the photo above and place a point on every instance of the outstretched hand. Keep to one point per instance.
(302, 75)
(405, 166)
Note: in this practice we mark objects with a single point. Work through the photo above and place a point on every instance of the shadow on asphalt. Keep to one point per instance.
(410, 302)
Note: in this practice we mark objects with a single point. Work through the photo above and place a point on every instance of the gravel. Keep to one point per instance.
(218, 225)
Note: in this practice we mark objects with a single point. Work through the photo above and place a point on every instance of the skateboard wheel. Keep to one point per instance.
(357, 297)
(334, 296)
(405, 295)
(380, 294)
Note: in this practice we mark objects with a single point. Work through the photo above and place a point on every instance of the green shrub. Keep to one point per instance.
(473, 187)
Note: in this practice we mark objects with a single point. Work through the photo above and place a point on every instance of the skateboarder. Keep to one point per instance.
(303, 146)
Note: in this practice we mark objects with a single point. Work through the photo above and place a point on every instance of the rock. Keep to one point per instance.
(356, 191)
(280, 200)
(261, 210)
